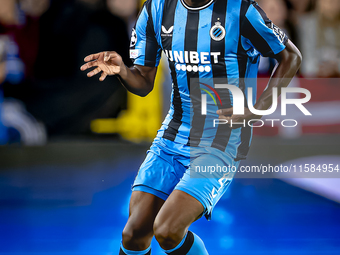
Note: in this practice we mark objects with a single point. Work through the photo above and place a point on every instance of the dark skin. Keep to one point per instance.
(140, 79)
(149, 215)
(289, 61)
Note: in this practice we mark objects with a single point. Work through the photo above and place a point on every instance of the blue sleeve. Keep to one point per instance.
(261, 33)
(144, 48)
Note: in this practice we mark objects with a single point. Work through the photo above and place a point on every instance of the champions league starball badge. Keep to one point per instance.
(217, 32)
(133, 40)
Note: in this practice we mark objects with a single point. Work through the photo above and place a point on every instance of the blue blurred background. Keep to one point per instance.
(71, 197)
(70, 146)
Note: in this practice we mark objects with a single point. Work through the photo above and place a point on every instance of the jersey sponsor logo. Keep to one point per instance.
(133, 40)
(167, 32)
(192, 57)
(217, 32)
(192, 61)
(278, 32)
(194, 68)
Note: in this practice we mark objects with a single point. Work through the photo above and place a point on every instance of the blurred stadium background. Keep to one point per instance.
(71, 146)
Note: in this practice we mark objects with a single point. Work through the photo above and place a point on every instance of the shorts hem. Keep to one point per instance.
(147, 189)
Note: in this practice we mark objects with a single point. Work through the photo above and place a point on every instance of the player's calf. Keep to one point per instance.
(172, 223)
(191, 244)
(167, 235)
(136, 240)
(124, 251)
(138, 232)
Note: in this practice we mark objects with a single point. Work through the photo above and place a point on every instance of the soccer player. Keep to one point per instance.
(216, 39)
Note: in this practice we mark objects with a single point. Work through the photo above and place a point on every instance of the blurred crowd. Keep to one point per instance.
(314, 26)
(43, 44)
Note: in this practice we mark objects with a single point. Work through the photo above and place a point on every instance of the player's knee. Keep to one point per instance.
(167, 236)
(127, 235)
(135, 238)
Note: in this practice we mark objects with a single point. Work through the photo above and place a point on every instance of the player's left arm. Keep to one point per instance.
(269, 40)
(289, 61)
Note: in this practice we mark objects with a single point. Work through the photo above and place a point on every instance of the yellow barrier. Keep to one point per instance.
(142, 118)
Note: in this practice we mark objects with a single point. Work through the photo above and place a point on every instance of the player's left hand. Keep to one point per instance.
(227, 114)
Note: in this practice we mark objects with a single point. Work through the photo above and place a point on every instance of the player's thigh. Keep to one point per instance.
(177, 214)
(207, 179)
(158, 174)
(156, 179)
(142, 212)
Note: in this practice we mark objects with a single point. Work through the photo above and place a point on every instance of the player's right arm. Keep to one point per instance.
(138, 79)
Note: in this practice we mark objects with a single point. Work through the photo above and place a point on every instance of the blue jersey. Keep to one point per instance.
(220, 40)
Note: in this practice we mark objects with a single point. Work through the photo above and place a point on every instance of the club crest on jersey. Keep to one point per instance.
(167, 32)
(217, 32)
(133, 40)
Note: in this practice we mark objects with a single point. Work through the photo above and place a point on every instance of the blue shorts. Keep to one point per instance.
(200, 172)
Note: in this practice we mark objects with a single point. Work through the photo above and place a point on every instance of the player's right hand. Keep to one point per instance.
(108, 62)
